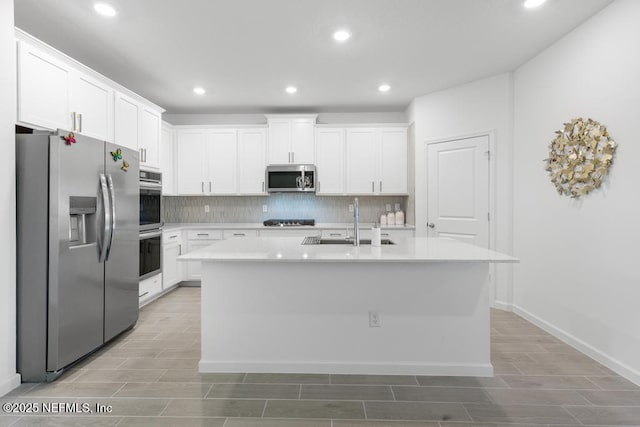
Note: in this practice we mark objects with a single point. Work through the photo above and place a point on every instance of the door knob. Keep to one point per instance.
(431, 225)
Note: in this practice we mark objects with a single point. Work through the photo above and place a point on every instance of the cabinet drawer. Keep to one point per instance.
(150, 287)
(230, 234)
(169, 237)
(204, 234)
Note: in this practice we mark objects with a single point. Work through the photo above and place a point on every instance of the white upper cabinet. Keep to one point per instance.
(252, 160)
(190, 150)
(138, 127)
(127, 130)
(330, 165)
(220, 162)
(376, 160)
(168, 155)
(55, 91)
(392, 175)
(361, 160)
(44, 85)
(291, 139)
(92, 107)
(149, 140)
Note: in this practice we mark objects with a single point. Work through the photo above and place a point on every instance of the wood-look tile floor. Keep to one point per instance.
(149, 376)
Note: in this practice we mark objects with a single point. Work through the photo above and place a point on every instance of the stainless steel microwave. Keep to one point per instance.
(291, 178)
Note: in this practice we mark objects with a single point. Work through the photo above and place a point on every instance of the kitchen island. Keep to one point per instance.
(419, 307)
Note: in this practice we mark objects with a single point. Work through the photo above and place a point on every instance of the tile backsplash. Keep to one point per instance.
(234, 209)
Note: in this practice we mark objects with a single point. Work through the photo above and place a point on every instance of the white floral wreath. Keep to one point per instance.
(579, 157)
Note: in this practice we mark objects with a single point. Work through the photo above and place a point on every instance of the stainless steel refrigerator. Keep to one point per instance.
(78, 248)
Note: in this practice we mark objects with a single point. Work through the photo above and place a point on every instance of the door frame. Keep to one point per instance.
(491, 134)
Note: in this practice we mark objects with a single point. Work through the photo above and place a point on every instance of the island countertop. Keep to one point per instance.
(290, 249)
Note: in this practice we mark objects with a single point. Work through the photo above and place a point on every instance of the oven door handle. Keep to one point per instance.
(150, 184)
(150, 235)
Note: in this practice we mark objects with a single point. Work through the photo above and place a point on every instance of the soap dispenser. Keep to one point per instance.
(399, 215)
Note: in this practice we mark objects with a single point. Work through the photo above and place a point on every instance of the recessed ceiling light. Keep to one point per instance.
(199, 90)
(291, 89)
(384, 88)
(342, 35)
(530, 4)
(104, 9)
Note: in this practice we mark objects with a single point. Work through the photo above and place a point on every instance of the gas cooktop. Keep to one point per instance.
(288, 222)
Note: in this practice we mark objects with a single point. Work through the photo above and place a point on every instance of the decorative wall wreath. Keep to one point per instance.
(579, 157)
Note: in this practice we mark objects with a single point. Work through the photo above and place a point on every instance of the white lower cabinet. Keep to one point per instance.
(197, 239)
(234, 234)
(149, 289)
(289, 232)
(171, 268)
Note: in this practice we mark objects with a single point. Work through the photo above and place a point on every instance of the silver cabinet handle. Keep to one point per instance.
(210, 182)
(373, 187)
(203, 234)
(384, 234)
(381, 186)
(335, 234)
(141, 155)
(173, 237)
(431, 225)
(80, 121)
(263, 186)
(73, 121)
(203, 186)
(293, 157)
(179, 249)
(140, 296)
(289, 156)
(318, 186)
(239, 234)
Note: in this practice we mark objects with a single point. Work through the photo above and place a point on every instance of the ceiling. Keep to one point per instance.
(245, 52)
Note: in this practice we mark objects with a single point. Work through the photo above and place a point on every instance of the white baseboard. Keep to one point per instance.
(9, 384)
(615, 365)
(502, 305)
(466, 370)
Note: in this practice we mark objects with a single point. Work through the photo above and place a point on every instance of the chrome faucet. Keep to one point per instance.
(356, 231)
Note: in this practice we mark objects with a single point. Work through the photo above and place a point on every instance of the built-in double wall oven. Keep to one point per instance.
(150, 223)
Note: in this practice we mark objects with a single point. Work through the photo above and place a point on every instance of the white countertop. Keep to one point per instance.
(258, 225)
(290, 249)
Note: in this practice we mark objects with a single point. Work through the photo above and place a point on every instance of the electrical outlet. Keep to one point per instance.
(265, 208)
(388, 206)
(206, 209)
(374, 319)
(350, 208)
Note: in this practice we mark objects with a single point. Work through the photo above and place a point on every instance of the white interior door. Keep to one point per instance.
(458, 190)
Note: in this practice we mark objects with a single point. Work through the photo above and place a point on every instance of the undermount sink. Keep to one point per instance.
(316, 240)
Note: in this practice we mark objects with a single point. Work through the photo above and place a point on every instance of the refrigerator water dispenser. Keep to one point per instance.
(82, 222)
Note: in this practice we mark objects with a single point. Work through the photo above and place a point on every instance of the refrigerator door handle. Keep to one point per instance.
(105, 216)
(112, 225)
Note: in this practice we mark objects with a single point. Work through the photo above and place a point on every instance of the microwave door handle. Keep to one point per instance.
(112, 202)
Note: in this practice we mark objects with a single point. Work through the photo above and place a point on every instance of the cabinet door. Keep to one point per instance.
(190, 149)
(393, 161)
(221, 162)
(330, 161)
(92, 101)
(302, 141)
(127, 122)
(252, 151)
(194, 268)
(170, 263)
(43, 89)
(361, 160)
(279, 142)
(150, 125)
(167, 157)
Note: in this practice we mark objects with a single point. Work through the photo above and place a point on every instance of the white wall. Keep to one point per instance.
(481, 106)
(579, 273)
(8, 377)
